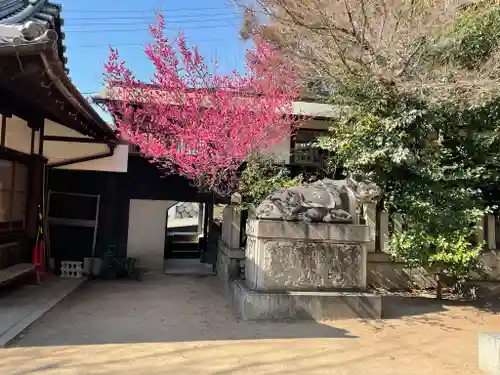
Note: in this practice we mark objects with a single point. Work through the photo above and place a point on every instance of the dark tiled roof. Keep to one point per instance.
(23, 21)
(30, 31)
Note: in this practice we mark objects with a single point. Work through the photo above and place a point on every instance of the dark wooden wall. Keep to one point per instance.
(142, 181)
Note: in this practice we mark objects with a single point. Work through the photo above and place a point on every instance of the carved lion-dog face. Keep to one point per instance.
(364, 190)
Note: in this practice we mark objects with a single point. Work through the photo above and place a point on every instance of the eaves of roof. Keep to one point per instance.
(45, 47)
(300, 108)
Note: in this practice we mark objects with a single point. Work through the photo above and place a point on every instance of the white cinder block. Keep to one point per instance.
(71, 269)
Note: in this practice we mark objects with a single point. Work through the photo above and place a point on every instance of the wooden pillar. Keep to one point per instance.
(35, 191)
(200, 217)
(34, 200)
(33, 136)
(40, 141)
(123, 205)
(3, 130)
(35, 124)
(205, 228)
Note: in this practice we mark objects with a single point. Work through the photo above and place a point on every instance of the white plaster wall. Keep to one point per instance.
(280, 151)
(59, 151)
(146, 231)
(316, 124)
(18, 135)
(313, 109)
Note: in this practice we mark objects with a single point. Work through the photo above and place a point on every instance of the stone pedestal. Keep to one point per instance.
(489, 353)
(298, 270)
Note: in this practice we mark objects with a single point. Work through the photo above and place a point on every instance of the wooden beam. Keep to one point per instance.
(3, 130)
(38, 105)
(56, 138)
(36, 122)
(33, 133)
(12, 104)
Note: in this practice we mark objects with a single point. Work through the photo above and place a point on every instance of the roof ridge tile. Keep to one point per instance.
(20, 14)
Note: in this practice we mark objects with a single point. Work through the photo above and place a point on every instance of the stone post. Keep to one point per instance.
(397, 221)
(353, 209)
(491, 232)
(480, 231)
(230, 254)
(370, 216)
(489, 353)
(383, 236)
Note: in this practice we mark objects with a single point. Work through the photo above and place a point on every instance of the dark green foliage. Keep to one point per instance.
(260, 177)
(422, 82)
(439, 166)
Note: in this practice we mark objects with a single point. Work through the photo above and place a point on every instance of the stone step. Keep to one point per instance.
(187, 267)
(184, 246)
(303, 305)
(187, 237)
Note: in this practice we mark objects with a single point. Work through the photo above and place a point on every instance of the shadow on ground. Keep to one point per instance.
(398, 306)
(427, 312)
(158, 309)
(223, 358)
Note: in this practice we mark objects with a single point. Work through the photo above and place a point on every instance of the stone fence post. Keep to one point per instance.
(491, 240)
(230, 254)
(383, 235)
(370, 217)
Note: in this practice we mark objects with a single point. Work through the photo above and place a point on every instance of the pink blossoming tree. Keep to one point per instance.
(195, 122)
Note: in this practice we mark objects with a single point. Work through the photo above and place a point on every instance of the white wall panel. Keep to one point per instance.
(57, 151)
(146, 231)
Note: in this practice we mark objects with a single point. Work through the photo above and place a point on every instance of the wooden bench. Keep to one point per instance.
(13, 272)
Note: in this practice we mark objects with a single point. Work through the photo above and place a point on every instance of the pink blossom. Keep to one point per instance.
(195, 122)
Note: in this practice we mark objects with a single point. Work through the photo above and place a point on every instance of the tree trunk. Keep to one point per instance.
(439, 286)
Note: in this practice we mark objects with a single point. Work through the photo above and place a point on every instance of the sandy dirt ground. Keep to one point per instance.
(184, 325)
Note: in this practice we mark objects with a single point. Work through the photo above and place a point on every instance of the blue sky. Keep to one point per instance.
(90, 26)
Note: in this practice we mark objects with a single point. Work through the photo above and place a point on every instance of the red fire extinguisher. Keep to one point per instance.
(39, 248)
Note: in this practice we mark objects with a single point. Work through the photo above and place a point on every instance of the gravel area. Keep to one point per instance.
(184, 325)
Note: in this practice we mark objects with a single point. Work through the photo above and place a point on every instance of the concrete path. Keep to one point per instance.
(183, 325)
(21, 307)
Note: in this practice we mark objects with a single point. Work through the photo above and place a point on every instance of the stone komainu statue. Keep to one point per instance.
(328, 201)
